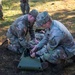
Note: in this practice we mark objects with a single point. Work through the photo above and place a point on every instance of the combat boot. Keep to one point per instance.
(44, 65)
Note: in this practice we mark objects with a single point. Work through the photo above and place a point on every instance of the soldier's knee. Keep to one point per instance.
(51, 58)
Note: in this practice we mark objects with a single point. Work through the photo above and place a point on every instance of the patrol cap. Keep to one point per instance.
(34, 13)
(42, 18)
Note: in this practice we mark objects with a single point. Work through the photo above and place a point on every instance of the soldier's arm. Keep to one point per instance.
(19, 27)
(32, 34)
(23, 42)
(22, 39)
(40, 44)
(43, 41)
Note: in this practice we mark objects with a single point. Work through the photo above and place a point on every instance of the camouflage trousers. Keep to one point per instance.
(17, 45)
(53, 56)
(25, 8)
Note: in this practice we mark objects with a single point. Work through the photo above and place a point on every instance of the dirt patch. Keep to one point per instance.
(8, 65)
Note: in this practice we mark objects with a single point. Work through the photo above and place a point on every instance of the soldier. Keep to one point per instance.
(18, 30)
(25, 8)
(59, 42)
(1, 13)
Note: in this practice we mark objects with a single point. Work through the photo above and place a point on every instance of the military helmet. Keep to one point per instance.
(42, 18)
(34, 13)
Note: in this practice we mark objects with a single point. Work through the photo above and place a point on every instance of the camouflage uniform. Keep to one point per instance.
(59, 42)
(39, 36)
(25, 8)
(1, 13)
(18, 31)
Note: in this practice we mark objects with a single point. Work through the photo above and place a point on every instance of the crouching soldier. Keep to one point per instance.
(18, 30)
(60, 45)
(25, 8)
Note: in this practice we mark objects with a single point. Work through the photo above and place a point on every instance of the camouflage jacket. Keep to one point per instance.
(58, 35)
(21, 26)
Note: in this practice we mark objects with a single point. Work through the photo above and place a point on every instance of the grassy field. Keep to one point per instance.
(62, 10)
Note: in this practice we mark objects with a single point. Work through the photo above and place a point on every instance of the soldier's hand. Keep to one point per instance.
(33, 55)
(33, 50)
(36, 41)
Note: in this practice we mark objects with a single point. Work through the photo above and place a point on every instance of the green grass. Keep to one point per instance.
(62, 10)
